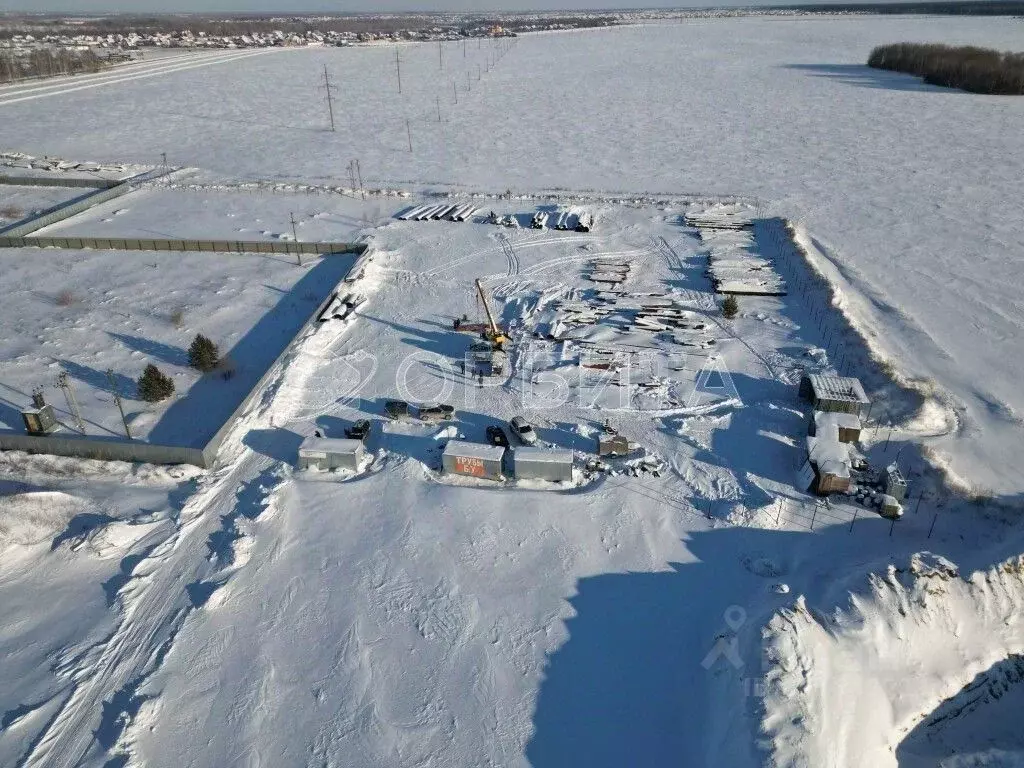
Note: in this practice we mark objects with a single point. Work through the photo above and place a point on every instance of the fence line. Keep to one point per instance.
(207, 246)
(81, 204)
(104, 448)
(49, 181)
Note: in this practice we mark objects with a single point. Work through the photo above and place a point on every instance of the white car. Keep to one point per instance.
(521, 428)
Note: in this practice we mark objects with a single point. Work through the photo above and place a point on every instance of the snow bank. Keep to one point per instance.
(844, 689)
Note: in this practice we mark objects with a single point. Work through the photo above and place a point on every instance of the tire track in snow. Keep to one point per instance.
(60, 90)
(152, 613)
(510, 254)
(486, 251)
(55, 83)
(179, 577)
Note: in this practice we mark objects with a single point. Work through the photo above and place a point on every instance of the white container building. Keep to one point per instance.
(331, 453)
(552, 464)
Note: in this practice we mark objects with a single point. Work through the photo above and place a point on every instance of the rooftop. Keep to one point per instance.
(474, 450)
(825, 420)
(544, 455)
(325, 445)
(845, 388)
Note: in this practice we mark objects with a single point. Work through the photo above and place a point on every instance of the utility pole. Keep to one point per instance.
(438, 99)
(69, 396)
(295, 239)
(455, 90)
(117, 399)
(398, 70)
(330, 104)
(359, 173)
(163, 156)
(440, 56)
(408, 133)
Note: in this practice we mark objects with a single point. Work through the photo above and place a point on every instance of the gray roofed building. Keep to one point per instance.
(838, 394)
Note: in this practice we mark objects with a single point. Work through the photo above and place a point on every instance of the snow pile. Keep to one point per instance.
(846, 688)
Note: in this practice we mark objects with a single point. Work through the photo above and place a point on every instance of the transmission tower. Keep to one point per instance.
(329, 88)
(69, 395)
(117, 399)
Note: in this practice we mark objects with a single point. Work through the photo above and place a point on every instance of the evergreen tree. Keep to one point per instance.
(203, 354)
(154, 385)
(731, 306)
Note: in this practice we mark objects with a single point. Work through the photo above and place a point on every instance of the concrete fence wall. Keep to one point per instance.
(45, 181)
(81, 204)
(107, 449)
(209, 451)
(12, 240)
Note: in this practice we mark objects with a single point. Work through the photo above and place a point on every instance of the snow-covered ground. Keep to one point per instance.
(911, 190)
(225, 214)
(257, 615)
(17, 202)
(87, 312)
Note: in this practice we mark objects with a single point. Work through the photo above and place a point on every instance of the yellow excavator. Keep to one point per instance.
(493, 333)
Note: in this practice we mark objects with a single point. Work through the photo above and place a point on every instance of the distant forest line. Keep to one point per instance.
(47, 63)
(977, 70)
(955, 8)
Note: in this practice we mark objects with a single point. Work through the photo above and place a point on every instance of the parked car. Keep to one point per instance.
(435, 412)
(496, 436)
(396, 409)
(521, 428)
(359, 430)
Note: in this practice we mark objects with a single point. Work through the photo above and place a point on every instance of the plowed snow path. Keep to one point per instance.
(154, 605)
(179, 575)
(18, 94)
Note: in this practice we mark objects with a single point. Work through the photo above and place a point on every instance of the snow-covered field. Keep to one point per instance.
(257, 615)
(225, 215)
(87, 312)
(19, 202)
(912, 190)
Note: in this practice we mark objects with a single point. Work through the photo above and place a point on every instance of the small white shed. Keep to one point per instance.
(553, 464)
(330, 453)
(462, 457)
